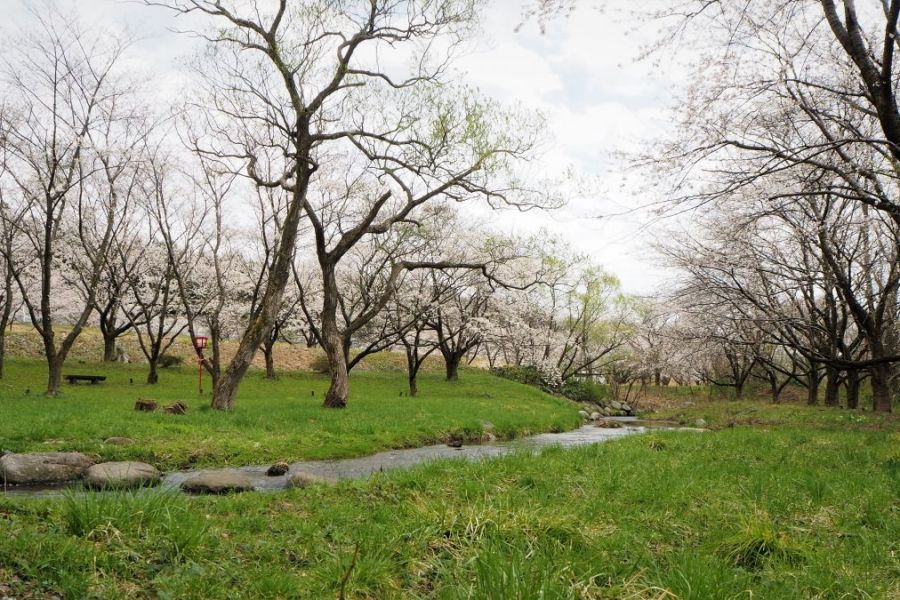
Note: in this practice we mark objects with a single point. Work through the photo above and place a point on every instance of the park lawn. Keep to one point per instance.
(272, 420)
(733, 413)
(789, 511)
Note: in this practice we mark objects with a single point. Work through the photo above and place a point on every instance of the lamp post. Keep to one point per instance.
(199, 345)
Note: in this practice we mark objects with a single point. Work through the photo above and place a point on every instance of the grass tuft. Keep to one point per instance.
(163, 518)
(757, 542)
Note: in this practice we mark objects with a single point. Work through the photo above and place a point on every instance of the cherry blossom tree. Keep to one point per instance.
(301, 96)
(70, 156)
(152, 305)
(189, 206)
(9, 248)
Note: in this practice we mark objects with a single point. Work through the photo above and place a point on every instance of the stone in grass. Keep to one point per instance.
(595, 416)
(124, 474)
(302, 479)
(217, 482)
(43, 467)
(118, 441)
(584, 414)
(278, 469)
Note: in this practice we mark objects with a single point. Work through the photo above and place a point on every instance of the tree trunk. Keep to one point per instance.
(109, 347)
(4, 321)
(657, 377)
(774, 388)
(225, 390)
(412, 353)
(832, 387)
(333, 343)
(853, 388)
(54, 375)
(153, 373)
(452, 364)
(339, 389)
(882, 388)
(812, 388)
(739, 390)
(269, 353)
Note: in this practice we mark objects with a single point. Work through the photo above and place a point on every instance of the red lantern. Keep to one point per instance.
(199, 345)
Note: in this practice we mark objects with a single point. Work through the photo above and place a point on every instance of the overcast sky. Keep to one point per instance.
(581, 73)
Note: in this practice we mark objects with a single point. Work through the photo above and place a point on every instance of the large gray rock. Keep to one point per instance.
(584, 414)
(595, 415)
(124, 474)
(218, 482)
(43, 467)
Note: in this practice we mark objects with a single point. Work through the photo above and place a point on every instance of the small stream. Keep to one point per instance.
(365, 466)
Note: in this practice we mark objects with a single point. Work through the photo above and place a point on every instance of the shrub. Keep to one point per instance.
(580, 390)
(527, 375)
(585, 390)
(169, 360)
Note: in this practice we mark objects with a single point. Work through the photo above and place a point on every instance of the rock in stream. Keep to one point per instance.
(43, 467)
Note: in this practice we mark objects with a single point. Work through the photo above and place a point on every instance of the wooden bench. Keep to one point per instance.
(92, 378)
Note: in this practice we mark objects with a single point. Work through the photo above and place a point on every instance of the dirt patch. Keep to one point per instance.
(14, 587)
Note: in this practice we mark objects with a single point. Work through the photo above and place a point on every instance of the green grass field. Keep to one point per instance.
(272, 420)
(763, 414)
(775, 502)
(738, 513)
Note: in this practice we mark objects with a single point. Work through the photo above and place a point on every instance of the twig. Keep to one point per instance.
(346, 576)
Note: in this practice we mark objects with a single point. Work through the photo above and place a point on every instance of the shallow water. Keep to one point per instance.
(365, 466)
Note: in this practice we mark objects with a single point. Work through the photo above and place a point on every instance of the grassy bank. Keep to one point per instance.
(792, 511)
(273, 420)
(765, 414)
(22, 341)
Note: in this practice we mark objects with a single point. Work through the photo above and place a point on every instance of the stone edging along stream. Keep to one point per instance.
(49, 473)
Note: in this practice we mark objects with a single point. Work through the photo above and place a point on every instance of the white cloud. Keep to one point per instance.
(599, 101)
(511, 72)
